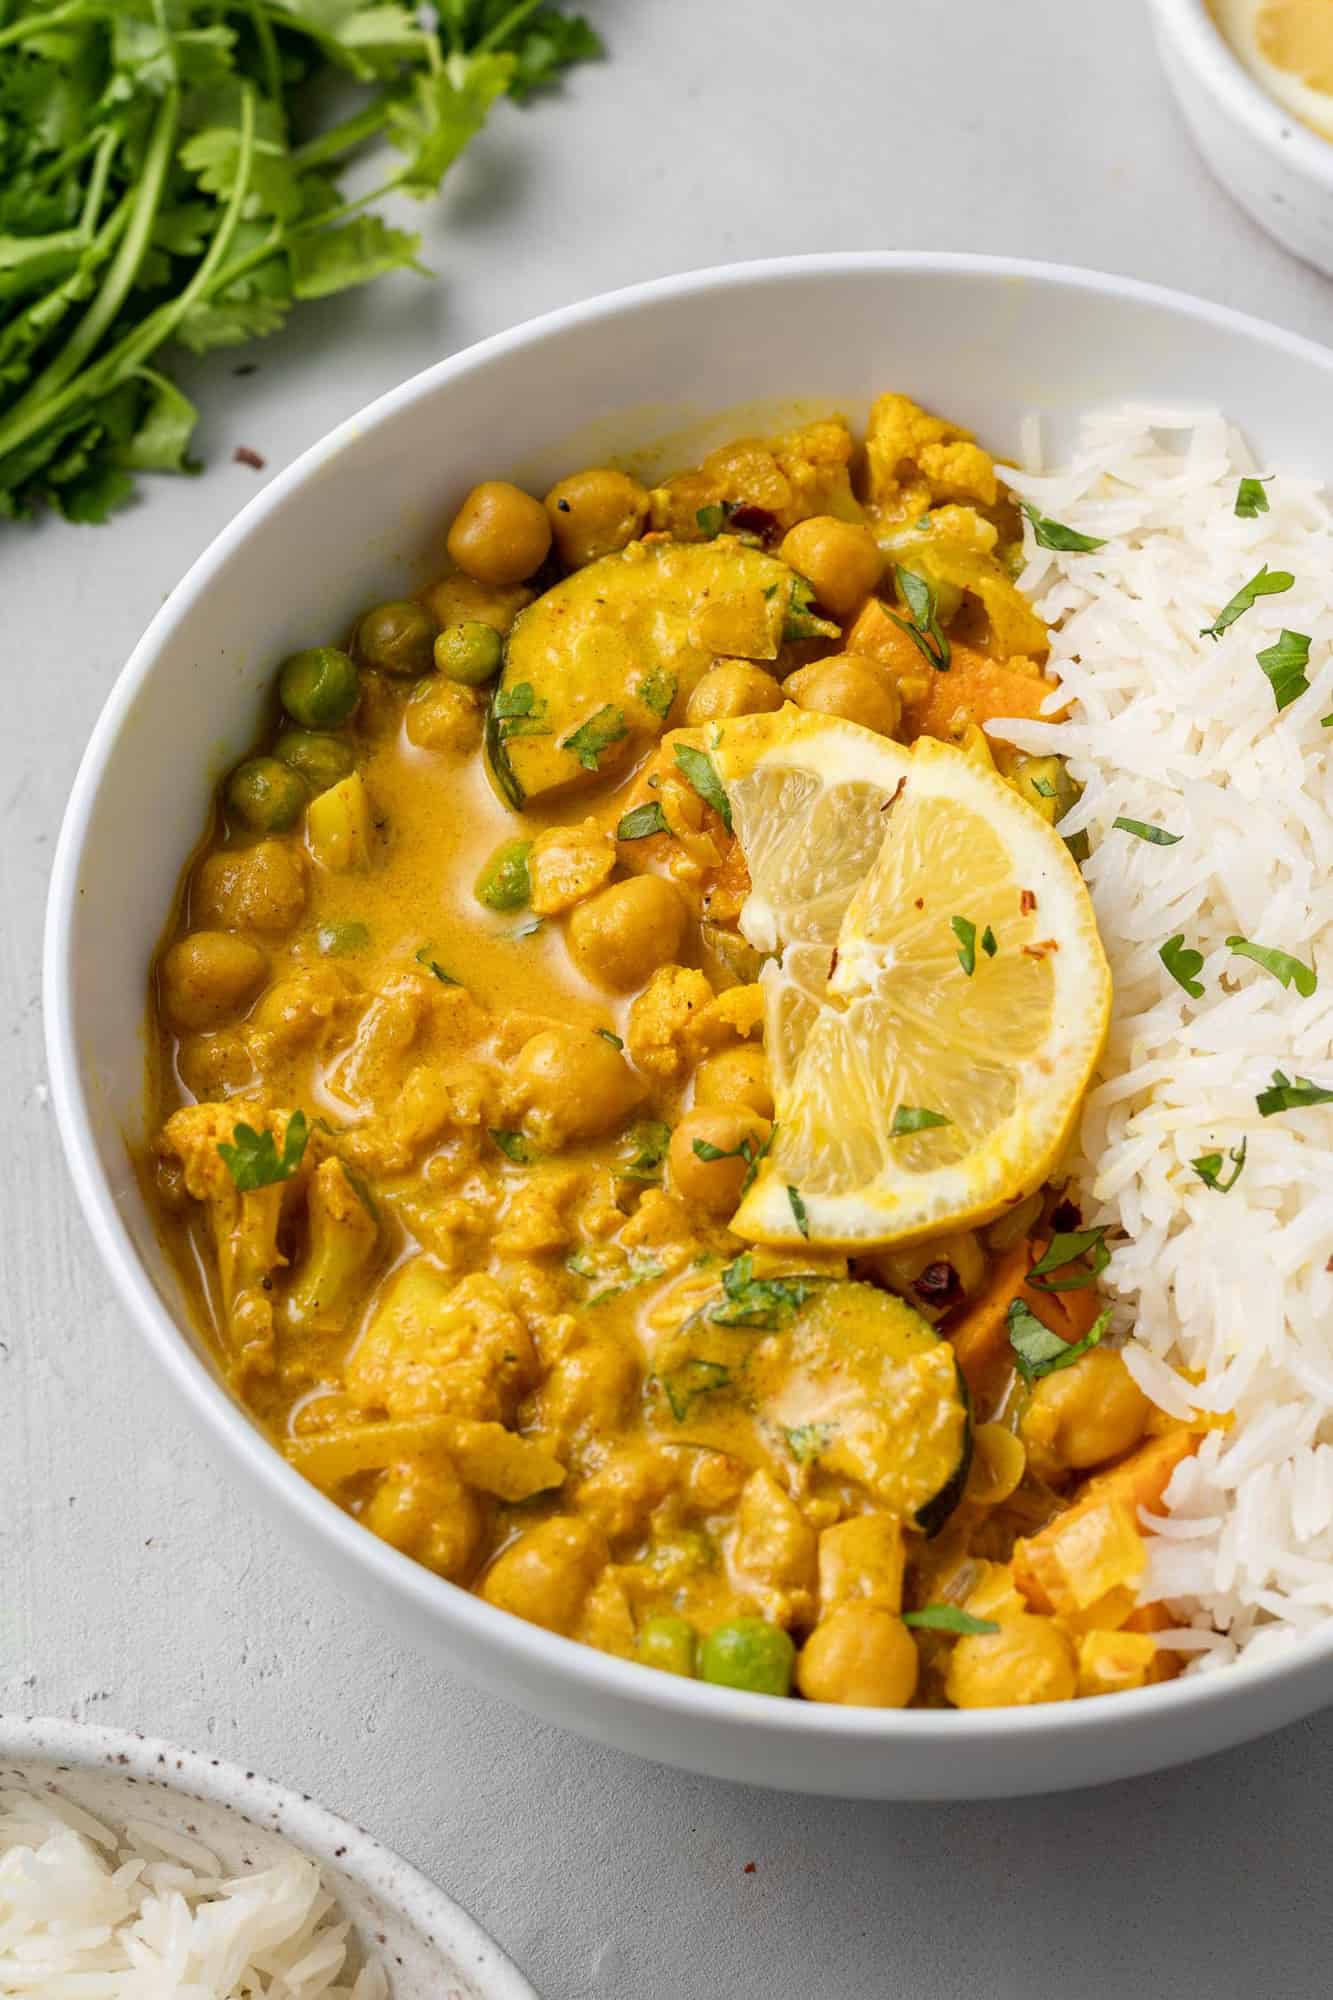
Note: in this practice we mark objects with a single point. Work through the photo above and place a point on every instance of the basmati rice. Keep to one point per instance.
(141, 1912)
(1230, 1296)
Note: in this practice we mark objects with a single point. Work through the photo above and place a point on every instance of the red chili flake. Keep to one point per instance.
(920, 903)
(833, 962)
(939, 1285)
(1066, 1216)
(1042, 950)
(749, 1868)
(1027, 902)
(889, 804)
(1329, 1265)
(245, 454)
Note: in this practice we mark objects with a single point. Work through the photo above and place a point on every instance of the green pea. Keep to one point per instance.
(337, 940)
(503, 883)
(265, 794)
(668, 1643)
(469, 652)
(397, 638)
(321, 760)
(320, 687)
(748, 1653)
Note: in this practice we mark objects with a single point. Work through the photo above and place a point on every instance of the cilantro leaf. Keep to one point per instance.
(913, 1118)
(799, 1211)
(1183, 964)
(1037, 1351)
(423, 957)
(253, 1159)
(1284, 1095)
(1285, 662)
(1264, 583)
(354, 253)
(1144, 830)
(771, 1303)
(1285, 969)
(690, 1380)
(598, 733)
(988, 944)
(442, 114)
(948, 1618)
(642, 821)
(923, 627)
(1251, 500)
(649, 1140)
(607, 1036)
(1065, 1252)
(697, 767)
(966, 934)
(515, 1147)
(806, 1441)
(658, 692)
(1055, 535)
(1208, 1167)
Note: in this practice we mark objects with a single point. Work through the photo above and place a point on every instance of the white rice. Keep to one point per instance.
(139, 1912)
(1230, 1295)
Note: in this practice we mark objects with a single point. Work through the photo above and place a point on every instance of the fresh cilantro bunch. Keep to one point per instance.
(157, 186)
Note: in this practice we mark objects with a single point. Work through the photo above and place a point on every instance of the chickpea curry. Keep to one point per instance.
(466, 1058)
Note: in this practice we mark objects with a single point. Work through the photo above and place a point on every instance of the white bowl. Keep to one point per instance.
(985, 339)
(1275, 166)
(430, 1948)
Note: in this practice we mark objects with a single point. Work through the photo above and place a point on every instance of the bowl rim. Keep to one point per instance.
(315, 1830)
(1200, 42)
(561, 1661)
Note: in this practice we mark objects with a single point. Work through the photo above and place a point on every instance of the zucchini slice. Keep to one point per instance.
(833, 1374)
(594, 669)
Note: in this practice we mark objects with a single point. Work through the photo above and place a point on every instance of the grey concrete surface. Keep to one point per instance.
(136, 1585)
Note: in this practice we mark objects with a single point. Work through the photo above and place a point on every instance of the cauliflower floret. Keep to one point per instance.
(536, 1215)
(439, 1347)
(568, 863)
(243, 1221)
(342, 1238)
(959, 471)
(734, 1015)
(914, 459)
(774, 1554)
(435, 1099)
(424, 1509)
(660, 1019)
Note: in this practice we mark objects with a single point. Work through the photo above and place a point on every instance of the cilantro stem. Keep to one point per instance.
(29, 30)
(34, 408)
(506, 25)
(101, 173)
(340, 139)
(268, 50)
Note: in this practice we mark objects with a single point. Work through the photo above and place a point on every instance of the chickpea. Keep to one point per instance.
(209, 977)
(735, 1079)
(839, 558)
(696, 1175)
(594, 513)
(461, 600)
(1081, 1415)
(1028, 1660)
(733, 687)
(573, 1085)
(860, 1655)
(259, 888)
(848, 686)
(620, 936)
(546, 1575)
(500, 534)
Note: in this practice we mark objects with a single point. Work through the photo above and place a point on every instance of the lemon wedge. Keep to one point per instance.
(941, 994)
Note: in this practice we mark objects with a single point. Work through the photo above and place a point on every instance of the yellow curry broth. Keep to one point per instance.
(491, 1303)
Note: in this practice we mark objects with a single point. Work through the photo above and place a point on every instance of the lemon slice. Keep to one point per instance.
(912, 1095)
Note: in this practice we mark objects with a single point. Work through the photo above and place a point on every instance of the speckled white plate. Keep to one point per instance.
(431, 1949)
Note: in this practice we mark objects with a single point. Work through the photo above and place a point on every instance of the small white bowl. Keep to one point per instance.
(429, 1947)
(1273, 165)
(989, 340)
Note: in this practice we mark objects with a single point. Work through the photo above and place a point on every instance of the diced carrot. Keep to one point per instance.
(981, 1337)
(976, 689)
(1141, 1479)
(875, 636)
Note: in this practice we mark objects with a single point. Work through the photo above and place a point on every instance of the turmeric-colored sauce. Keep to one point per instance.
(459, 1074)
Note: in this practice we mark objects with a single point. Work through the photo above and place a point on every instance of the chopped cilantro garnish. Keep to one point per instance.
(966, 934)
(1284, 968)
(712, 520)
(658, 692)
(1251, 500)
(1055, 535)
(771, 1303)
(806, 1441)
(1183, 964)
(799, 1211)
(799, 621)
(948, 1618)
(923, 628)
(607, 1036)
(988, 944)
(1037, 1351)
(1285, 662)
(642, 821)
(650, 1139)
(253, 1159)
(423, 957)
(692, 1379)
(1065, 1252)
(598, 733)
(1264, 583)
(1284, 1095)
(1144, 830)
(697, 767)
(913, 1118)
(1208, 1167)
(515, 1147)
(518, 712)
(338, 940)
